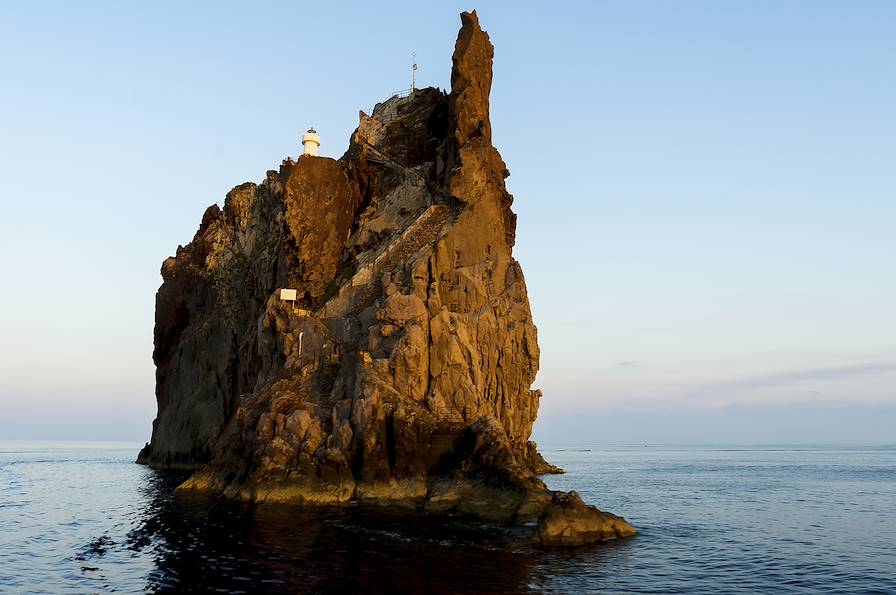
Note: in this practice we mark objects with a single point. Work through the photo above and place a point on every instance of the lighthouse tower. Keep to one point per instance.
(311, 141)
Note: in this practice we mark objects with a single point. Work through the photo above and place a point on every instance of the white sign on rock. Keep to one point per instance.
(288, 295)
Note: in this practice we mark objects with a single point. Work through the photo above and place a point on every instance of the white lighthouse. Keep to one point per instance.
(311, 141)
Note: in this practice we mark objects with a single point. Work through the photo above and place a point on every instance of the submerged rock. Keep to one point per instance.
(401, 375)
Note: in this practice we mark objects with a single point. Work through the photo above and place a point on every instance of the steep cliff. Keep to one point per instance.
(402, 374)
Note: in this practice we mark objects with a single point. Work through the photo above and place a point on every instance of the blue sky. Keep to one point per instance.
(708, 236)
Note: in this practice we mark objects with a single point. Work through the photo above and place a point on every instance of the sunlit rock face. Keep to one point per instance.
(402, 374)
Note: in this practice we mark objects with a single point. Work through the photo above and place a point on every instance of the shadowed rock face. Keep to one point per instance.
(402, 375)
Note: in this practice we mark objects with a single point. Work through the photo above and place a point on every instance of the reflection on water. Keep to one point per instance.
(202, 543)
(86, 519)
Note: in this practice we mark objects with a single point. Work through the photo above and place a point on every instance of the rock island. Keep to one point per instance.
(356, 330)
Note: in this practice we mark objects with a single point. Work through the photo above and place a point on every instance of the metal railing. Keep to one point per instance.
(403, 93)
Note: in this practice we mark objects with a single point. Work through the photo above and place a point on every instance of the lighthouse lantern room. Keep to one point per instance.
(311, 141)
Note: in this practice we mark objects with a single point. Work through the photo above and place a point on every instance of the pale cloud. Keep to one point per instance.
(866, 381)
(635, 385)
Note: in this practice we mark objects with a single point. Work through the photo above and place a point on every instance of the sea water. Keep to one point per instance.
(83, 518)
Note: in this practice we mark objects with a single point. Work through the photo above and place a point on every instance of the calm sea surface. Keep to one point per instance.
(82, 518)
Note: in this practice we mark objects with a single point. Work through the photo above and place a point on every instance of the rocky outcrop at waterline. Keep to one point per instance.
(402, 373)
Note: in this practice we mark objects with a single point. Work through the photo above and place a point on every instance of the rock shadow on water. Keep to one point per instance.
(203, 543)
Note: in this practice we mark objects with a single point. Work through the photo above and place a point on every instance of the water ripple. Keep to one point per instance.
(722, 520)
